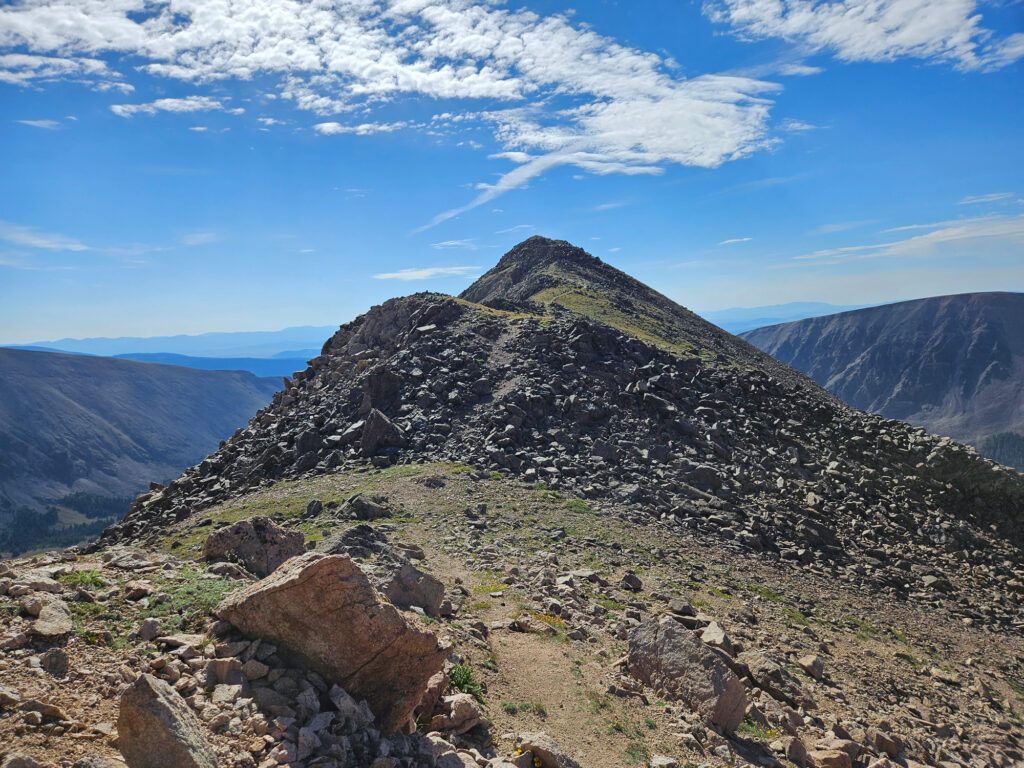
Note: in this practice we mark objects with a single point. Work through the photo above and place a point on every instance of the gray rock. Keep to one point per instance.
(156, 729)
(380, 432)
(410, 586)
(773, 678)
(259, 544)
(670, 658)
(547, 750)
(54, 619)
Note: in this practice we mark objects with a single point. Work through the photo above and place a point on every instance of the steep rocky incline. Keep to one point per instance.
(951, 364)
(561, 401)
(543, 273)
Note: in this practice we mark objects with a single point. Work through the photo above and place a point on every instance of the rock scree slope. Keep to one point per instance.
(709, 442)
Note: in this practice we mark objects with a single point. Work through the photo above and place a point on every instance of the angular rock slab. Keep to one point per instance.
(667, 656)
(411, 586)
(773, 678)
(259, 544)
(54, 619)
(323, 609)
(156, 729)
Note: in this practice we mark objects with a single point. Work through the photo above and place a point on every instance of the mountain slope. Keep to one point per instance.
(106, 427)
(548, 274)
(257, 366)
(952, 364)
(714, 446)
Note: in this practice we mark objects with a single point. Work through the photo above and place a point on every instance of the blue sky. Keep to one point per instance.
(195, 165)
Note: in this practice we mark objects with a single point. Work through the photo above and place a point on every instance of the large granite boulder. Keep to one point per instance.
(324, 610)
(156, 729)
(669, 657)
(259, 544)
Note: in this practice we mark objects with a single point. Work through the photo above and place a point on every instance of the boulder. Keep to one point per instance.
(411, 586)
(54, 619)
(363, 507)
(668, 657)
(813, 665)
(546, 749)
(460, 713)
(362, 541)
(379, 432)
(259, 544)
(323, 610)
(156, 729)
(779, 683)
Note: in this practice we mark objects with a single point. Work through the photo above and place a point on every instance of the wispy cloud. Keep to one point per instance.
(736, 240)
(961, 237)
(49, 125)
(989, 198)
(840, 226)
(33, 238)
(467, 244)
(200, 238)
(608, 206)
(516, 228)
(797, 126)
(560, 94)
(198, 128)
(362, 129)
(875, 30)
(186, 104)
(426, 273)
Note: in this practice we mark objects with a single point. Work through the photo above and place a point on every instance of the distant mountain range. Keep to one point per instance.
(94, 430)
(952, 364)
(740, 319)
(301, 341)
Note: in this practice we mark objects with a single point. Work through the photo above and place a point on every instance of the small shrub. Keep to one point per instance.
(461, 677)
(83, 578)
(577, 505)
(752, 729)
(636, 754)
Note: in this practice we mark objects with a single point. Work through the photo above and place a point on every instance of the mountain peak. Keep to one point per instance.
(557, 274)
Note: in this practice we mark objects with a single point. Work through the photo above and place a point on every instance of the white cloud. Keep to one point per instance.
(22, 69)
(200, 238)
(841, 226)
(571, 96)
(608, 206)
(875, 30)
(736, 240)
(268, 121)
(198, 128)
(48, 125)
(426, 273)
(797, 126)
(33, 238)
(468, 244)
(962, 237)
(799, 70)
(363, 129)
(516, 228)
(186, 104)
(990, 198)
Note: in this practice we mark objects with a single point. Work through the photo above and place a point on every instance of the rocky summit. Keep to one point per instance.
(677, 431)
(556, 521)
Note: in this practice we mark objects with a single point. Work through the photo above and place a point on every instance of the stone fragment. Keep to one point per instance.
(54, 619)
(55, 662)
(19, 760)
(379, 432)
(829, 758)
(631, 582)
(150, 629)
(362, 507)
(813, 665)
(668, 657)
(258, 544)
(410, 586)
(779, 683)
(156, 729)
(715, 636)
(546, 750)
(323, 609)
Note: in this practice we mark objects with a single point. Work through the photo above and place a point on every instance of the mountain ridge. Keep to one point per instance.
(953, 364)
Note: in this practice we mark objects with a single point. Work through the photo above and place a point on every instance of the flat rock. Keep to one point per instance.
(546, 750)
(54, 619)
(777, 681)
(323, 609)
(156, 729)
(668, 657)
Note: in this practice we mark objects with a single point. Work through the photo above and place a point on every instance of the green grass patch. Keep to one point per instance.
(577, 505)
(461, 677)
(752, 730)
(763, 592)
(83, 579)
(796, 616)
(636, 754)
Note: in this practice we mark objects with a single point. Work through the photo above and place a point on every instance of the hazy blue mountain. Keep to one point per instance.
(739, 319)
(952, 364)
(97, 430)
(258, 366)
(234, 344)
